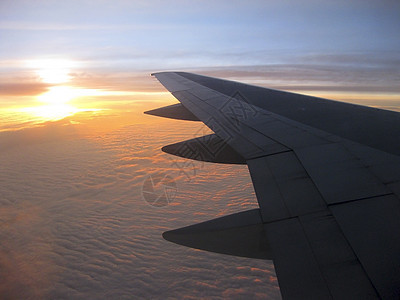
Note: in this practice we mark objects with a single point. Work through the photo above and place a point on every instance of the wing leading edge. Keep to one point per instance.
(329, 197)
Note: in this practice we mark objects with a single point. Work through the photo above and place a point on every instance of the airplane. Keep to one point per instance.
(326, 176)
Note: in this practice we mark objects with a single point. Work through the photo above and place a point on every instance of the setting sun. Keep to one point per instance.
(58, 95)
(54, 104)
(52, 70)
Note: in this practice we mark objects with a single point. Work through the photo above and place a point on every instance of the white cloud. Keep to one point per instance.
(75, 225)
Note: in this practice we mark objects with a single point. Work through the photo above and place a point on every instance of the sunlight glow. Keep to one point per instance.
(58, 95)
(55, 104)
(51, 112)
(62, 99)
(52, 70)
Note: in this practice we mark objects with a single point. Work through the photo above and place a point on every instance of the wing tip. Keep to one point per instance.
(162, 72)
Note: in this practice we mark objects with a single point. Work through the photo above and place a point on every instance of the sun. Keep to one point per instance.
(53, 104)
(53, 71)
(58, 95)
(61, 99)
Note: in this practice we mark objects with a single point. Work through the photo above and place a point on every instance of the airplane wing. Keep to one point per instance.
(326, 176)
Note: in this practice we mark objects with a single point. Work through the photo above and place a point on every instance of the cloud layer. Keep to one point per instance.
(74, 223)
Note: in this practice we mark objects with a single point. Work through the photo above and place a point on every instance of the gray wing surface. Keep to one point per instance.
(326, 176)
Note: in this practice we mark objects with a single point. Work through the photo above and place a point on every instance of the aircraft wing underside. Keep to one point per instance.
(329, 197)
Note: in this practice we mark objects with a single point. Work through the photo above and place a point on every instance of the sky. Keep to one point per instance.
(104, 51)
(76, 148)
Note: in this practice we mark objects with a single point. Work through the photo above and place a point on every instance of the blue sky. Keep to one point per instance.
(176, 34)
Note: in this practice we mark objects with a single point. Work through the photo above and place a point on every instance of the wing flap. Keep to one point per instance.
(313, 260)
(283, 187)
(379, 219)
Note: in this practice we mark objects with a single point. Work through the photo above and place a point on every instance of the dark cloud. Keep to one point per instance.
(334, 73)
(23, 89)
(116, 81)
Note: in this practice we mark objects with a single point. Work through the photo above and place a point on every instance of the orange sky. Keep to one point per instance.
(45, 90)
(60, 58)
(50, 90)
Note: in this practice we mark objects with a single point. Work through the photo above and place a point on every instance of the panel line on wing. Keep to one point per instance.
(245, 146)
(329, 205)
